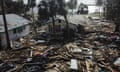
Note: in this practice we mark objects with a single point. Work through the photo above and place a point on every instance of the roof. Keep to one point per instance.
(13, 21)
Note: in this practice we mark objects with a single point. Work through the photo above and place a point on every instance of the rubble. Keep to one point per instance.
(99, 26)
(117, 62)
(73, 43)
(92, 52)
(74, 65)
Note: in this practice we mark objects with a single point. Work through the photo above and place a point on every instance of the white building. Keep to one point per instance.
(17, 27)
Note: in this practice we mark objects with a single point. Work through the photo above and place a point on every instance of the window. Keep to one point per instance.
(24, 27)
(59, 21)
(19, 29)
(14, 31)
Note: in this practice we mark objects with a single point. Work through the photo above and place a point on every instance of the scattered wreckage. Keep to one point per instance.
(96, 52)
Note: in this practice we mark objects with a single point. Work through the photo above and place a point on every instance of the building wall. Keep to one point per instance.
(63, 25)
(3, 43)
(14, 36)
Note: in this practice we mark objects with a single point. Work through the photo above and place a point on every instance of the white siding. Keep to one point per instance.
(14, 36)
(3, 40)
(26, 31)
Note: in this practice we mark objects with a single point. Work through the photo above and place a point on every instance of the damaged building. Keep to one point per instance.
(17, 26)
(58, 40)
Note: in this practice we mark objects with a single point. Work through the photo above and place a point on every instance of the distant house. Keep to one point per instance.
(17, 27)
(60, 24)
(73, 20)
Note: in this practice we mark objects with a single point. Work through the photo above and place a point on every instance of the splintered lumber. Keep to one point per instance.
(74, 65)
(88, 65)
(77, 50)
(100, 26)
(107, 66)
(96, 68)
(18, 67)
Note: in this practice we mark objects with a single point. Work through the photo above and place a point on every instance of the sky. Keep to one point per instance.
(91, 8)
(37, 1)
(79, 1)
(85, 1)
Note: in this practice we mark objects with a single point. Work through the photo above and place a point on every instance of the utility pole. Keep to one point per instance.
(5, 25)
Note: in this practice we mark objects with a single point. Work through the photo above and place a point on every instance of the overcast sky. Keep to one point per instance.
(85, 1)
(79, 1)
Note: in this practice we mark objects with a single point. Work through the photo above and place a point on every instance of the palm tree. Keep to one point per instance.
(32, 4)
(43, 11)
(63, 11)
(48, 10)
(99, 3)
(5, 25)
(72, 4)
(52, 13)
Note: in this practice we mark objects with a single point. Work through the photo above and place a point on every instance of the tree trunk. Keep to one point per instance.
(5, 25)
(67, 26)
(53, 22)
(33, 25)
